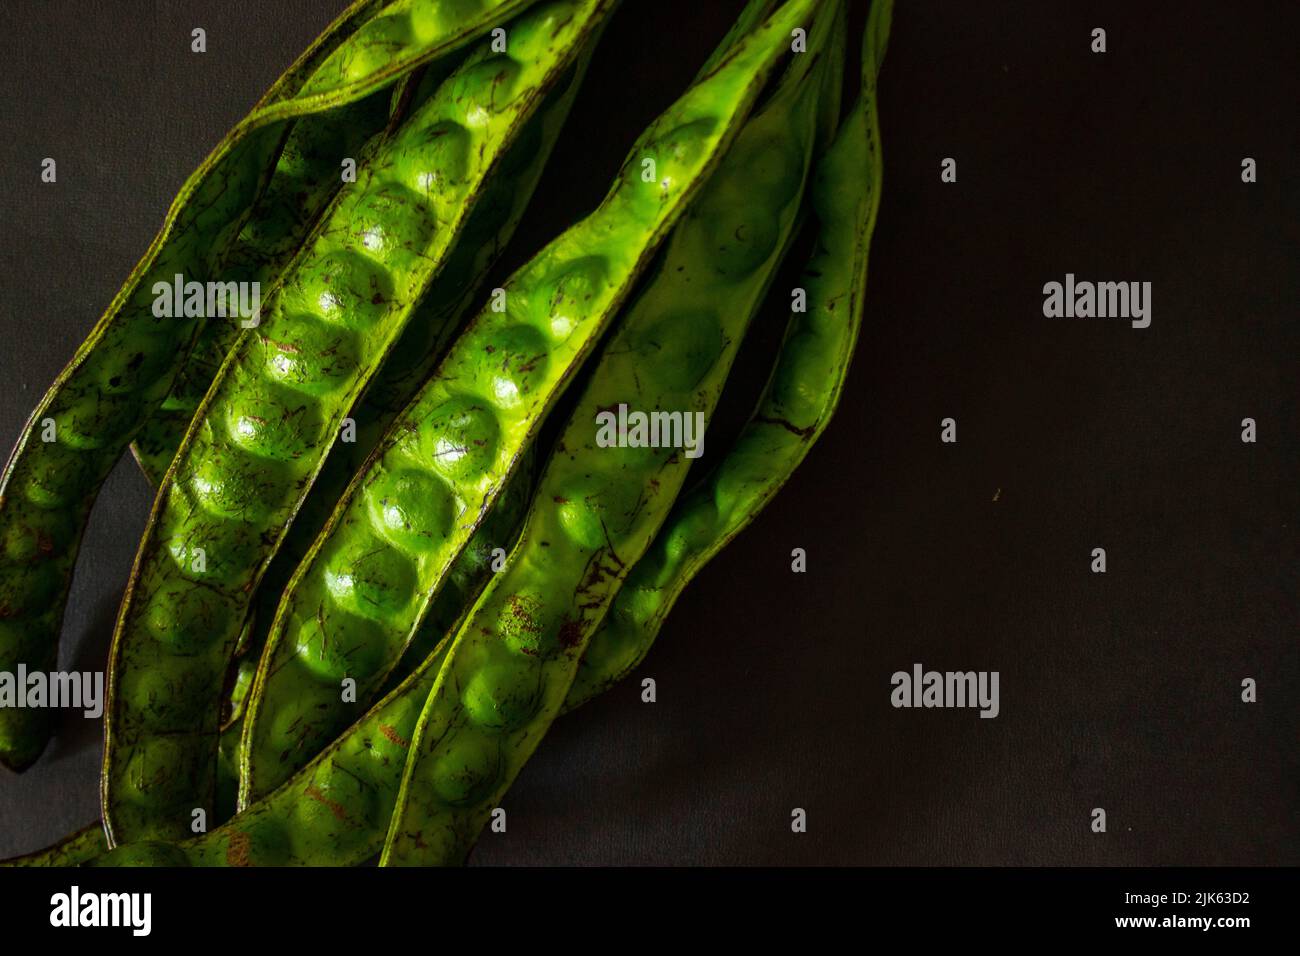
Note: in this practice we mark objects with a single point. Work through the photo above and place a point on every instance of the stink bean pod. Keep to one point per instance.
(307, 174)
(91, 841)
(357, 599)
(332, 812)
(800, 398)
(598, 506)
(335, 809)
(124, 369)
(324, 813)
(260, 435)
(305, 178)
(449, 298)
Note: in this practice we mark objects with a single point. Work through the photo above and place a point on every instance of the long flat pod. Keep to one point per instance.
(609, 484)
(451, 296)
(359, 596)
(796, 406)
(124, 369)
(454, 597)
(335, 809)
(262, 431)
(307, 174)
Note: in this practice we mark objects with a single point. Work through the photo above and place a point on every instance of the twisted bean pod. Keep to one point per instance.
(305, 178)
(488, 230)
(357, 599)
(486, 233)
(795, 408)
(336, 808)
(509, 668)
(268, 832)
(125, 368)
(260, 435)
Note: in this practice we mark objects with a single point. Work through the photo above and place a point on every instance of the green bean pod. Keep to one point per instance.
(487, 233)
(355, 602)
(307, 174)
(91, 841)
(261, 433)
(124, 369)
(796, 406)
(451, 295)
(471, 572)
(598, 507)
(305, 178)
(820, 350)
(333, 811)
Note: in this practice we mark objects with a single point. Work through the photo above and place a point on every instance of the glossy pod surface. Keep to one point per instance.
(125, 368)
(261, 433)
(334, 810)
(796, 406)
(305, 178)
(368, 580)
(789, 418)
(436, 319)
(598, 506)
(307, 174)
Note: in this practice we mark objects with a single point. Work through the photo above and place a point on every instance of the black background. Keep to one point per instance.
(1118, 690)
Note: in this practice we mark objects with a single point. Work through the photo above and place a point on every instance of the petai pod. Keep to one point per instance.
(261, 433)
(357, 599)
(124, 369)
(795, 408)
(610, 482)
(449, 297)
(91, 841)
(498, 531)
(305, 177)
(333, 811)
(491, 542)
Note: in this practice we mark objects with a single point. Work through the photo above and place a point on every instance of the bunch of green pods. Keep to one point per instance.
(387, 549)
